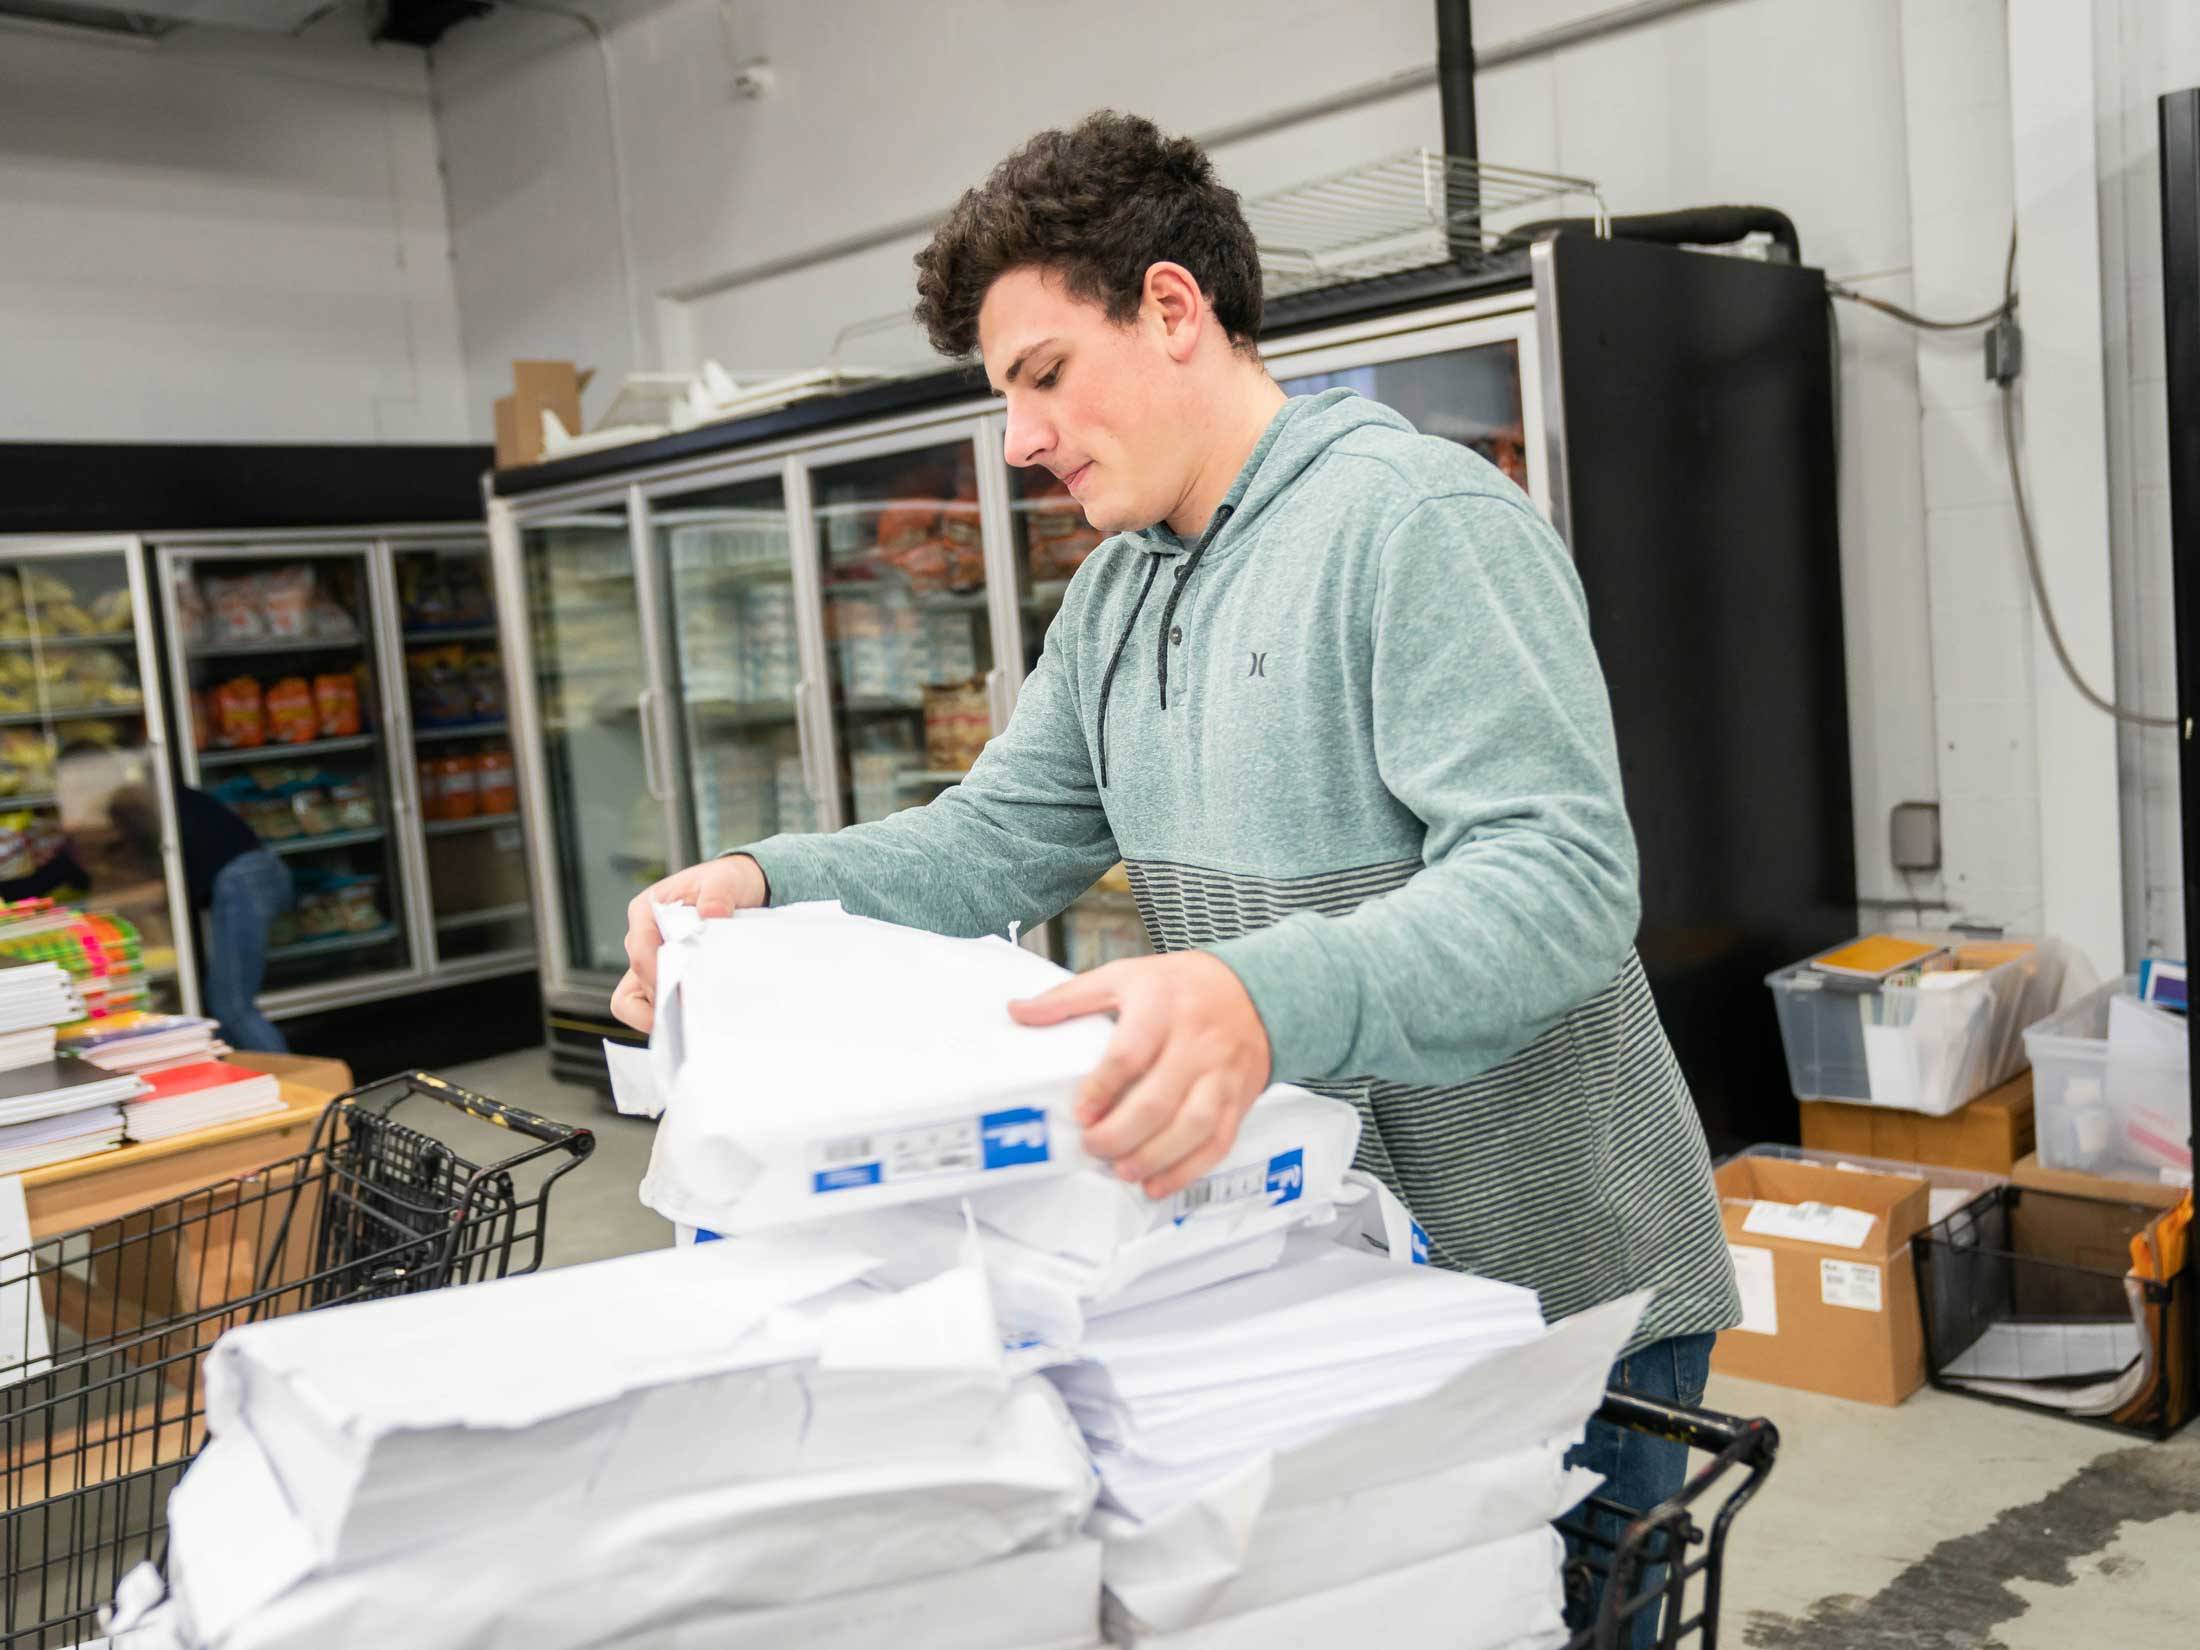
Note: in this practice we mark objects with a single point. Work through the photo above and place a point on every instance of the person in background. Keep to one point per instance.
(239, 883)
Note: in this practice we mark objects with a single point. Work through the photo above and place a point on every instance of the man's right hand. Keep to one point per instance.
(717, 888)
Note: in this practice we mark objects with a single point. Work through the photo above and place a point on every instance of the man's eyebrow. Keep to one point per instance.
(1016, 366)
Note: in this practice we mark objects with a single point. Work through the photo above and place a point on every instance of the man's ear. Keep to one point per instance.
(1175, 308)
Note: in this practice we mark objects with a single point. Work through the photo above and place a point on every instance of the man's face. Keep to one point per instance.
(1088, 400)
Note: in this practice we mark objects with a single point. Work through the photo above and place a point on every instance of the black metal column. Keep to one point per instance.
(1455, 88)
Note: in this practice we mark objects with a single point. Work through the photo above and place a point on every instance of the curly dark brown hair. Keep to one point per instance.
(1098, 205)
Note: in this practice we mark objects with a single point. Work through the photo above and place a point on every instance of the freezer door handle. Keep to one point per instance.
(996, 700)
(805, 733)
(645, 711)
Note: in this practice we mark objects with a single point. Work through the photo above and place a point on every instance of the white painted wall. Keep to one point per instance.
(1884, 127)
(226, 237)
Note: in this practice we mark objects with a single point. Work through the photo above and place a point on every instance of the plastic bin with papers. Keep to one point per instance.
(2119, 1106)
(1927, 1045)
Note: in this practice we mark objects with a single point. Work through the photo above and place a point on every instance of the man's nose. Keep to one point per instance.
(1027, 440)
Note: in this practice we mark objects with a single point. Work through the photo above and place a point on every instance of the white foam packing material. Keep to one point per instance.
(774, 1111)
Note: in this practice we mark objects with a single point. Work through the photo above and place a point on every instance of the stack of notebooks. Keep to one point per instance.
(101, 953)
(144, 1043)
(179, 1099)
(52, 1108)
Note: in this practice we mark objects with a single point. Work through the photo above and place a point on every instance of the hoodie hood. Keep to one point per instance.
(1296, 438)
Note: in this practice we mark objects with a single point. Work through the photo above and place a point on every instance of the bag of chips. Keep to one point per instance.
(291, 718)
(337, 699)
(239, 713)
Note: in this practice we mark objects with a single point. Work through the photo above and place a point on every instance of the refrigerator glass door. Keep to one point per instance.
(736, 635)
(909, 638)
(276, 651)
(462, 749)
(80, 817)
(1471, 396)
(1052, 540)
(604, 779)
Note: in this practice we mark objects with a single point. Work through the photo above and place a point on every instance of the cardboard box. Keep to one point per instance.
(2029, 1171)
(1824, 1316)
(328, 1078)
(537, 387)
(1989, 1133)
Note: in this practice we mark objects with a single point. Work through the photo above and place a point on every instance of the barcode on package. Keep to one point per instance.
(1279, 1180)
(992, 1140)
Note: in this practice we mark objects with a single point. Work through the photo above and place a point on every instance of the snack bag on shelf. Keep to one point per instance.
(498, 791)
(431, 790)
(484, 686)
(353, 804)
(240, 714)
(291, 718)
(113, 613)
(193, 616)
(460, 785)
(287, 603)
(336, 698)
(236, 612)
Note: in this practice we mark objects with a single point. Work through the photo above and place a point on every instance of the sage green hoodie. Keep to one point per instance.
(1354, 740)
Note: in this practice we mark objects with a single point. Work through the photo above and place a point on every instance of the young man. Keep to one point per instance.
(1330, 693)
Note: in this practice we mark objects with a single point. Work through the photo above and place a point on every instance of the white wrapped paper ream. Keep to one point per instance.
(1479, 1459)
(1292, 1147)
(585, 1568)
(651, 1374)
(1045, 1599)
(1506, 1595)
(939, 1094)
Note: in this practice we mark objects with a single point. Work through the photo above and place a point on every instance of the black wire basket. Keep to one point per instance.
(1651, 1578)
(98, 1423)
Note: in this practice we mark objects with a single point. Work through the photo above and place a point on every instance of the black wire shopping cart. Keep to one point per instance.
(103, 1331)
(1628, 1565)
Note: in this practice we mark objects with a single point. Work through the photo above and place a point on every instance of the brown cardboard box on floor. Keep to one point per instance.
(1988, 1133)
(1824, 1316)
(2030, 1172)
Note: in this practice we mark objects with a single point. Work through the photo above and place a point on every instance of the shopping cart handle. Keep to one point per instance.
(579, 1141)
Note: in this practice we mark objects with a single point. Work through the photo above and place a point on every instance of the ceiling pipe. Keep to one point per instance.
(1455, 91)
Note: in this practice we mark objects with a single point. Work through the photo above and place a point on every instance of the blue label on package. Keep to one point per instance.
(847, 1178)
(1286, 1176)
(703, 1234)
(1420, 1245)
(1013, 1137)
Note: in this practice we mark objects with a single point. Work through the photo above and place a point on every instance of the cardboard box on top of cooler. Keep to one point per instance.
(1829, 1299)
(1990, 1133)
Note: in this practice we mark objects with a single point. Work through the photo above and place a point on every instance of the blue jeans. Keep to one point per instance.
(1639, 1471)
(250, 892)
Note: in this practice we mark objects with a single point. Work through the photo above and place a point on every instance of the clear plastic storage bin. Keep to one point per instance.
(1927, 1047)
(2132, 1123)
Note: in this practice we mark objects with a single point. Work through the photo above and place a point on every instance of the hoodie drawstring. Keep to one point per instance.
(1183, 578)
(1107, 682)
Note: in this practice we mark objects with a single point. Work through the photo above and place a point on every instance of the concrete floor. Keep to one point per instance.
(1945, 1524)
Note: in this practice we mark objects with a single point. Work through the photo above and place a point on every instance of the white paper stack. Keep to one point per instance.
(607, 1451)
(61, 1138)
(1061, 1252)
(775, 1112)
(37, 994)
(33, 1046)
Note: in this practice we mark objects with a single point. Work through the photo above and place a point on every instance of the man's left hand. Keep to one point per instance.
(1188, 1059)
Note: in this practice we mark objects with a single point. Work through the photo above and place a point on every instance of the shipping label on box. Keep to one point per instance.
(1829, 1292)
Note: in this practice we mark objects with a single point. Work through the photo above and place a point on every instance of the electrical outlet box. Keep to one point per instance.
(1913, 836)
